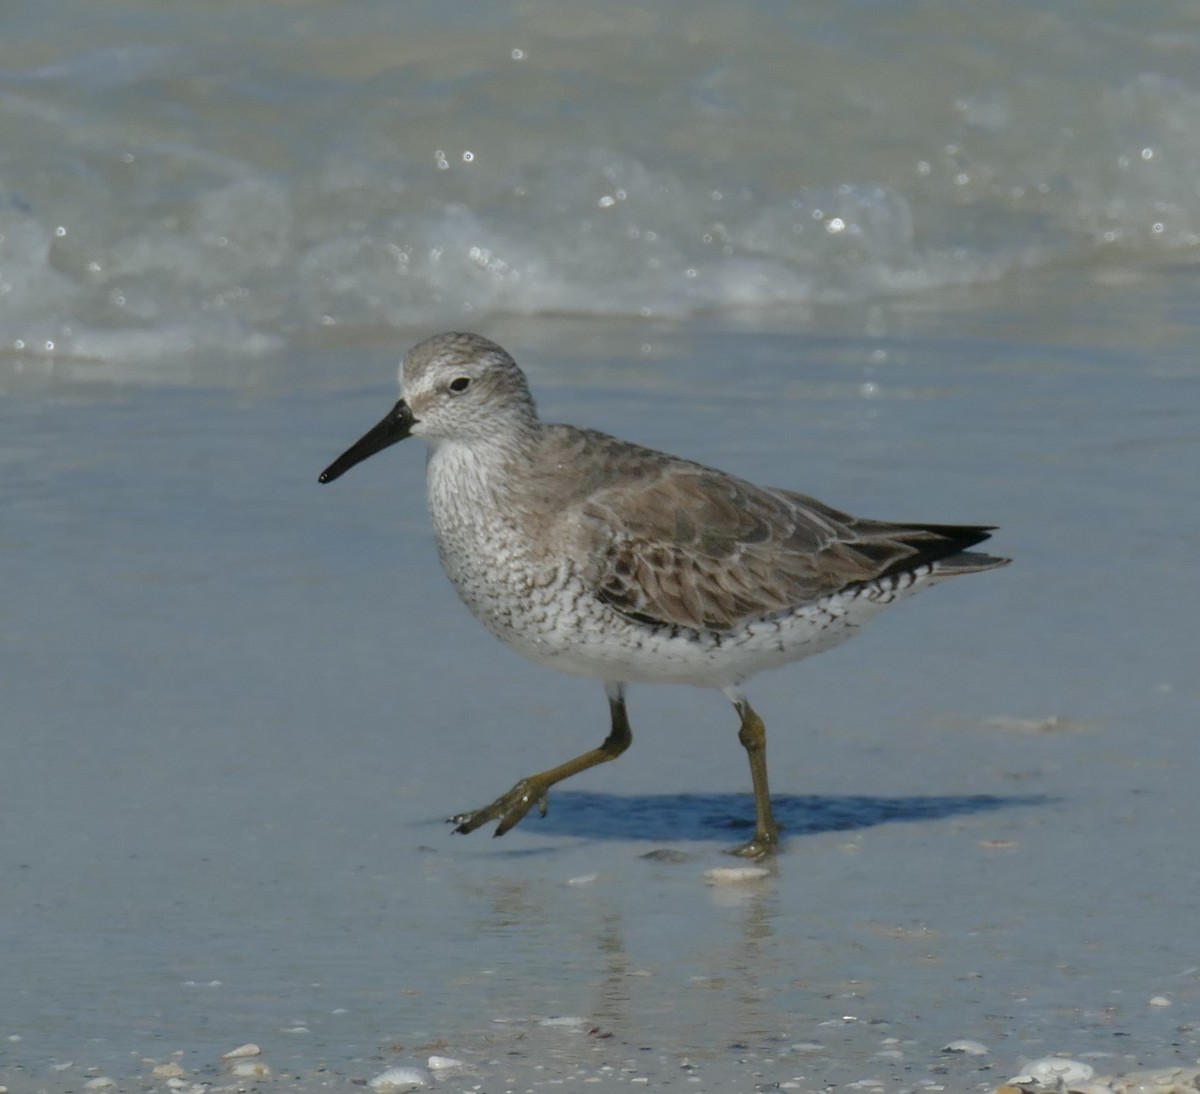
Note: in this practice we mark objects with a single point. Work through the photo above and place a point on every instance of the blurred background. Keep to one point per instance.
(226, 178)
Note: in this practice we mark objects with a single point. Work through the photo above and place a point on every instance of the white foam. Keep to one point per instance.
(130, 203)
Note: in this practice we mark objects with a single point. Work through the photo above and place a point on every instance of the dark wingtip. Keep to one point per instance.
(948, 545)
(959, 536)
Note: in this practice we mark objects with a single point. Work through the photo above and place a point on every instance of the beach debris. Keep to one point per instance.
(1053, 1073)
(445, 1063)
(563, 1021)
(1052, 723)
(397, 1079)
(248, 1069)
(1078, 1079)
(967, 1048)
(735, 875)
(1163, 1080)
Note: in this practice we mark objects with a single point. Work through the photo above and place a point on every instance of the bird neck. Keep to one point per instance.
(475, 473)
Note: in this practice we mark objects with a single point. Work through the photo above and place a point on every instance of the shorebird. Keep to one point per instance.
(608, 560)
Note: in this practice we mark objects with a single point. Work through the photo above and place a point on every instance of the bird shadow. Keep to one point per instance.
(659, 817)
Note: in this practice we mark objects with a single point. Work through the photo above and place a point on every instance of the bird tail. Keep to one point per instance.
(953, 542)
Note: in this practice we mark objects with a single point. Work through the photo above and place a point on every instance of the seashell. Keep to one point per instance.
(248, 1049)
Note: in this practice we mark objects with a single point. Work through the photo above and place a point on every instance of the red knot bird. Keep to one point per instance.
(613, 561)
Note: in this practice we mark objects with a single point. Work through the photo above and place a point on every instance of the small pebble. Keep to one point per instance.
(967, 1048)
(1160, 1001)
(583, 879)
(101, 1082)
(563, 1022)
(168, 1071)
(248, 1049)
(397, 1079)
(65, 1065)
(735, 875)
(666, 854)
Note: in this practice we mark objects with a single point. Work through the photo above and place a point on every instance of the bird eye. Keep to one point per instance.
(460, 384)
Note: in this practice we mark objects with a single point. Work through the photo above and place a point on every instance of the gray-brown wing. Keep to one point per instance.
(690, 547)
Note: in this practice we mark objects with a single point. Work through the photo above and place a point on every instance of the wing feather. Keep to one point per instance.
(687, 546)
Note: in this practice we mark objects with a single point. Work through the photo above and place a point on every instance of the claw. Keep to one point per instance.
(509, 809)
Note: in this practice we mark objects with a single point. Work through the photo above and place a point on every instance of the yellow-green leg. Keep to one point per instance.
(509, 808)
(753, 735)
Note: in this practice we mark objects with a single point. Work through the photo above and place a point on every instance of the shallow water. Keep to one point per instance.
(238, 706)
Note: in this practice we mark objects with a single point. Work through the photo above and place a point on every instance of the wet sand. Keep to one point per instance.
(239, 706)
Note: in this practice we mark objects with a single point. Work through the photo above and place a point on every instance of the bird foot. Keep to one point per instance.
(763, 844)
(508, 809)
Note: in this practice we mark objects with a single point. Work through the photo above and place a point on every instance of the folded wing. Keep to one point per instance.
(690, 547)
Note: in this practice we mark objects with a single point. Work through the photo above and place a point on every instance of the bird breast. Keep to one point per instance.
(508, 585)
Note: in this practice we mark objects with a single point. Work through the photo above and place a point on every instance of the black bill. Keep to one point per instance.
(396, 425)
